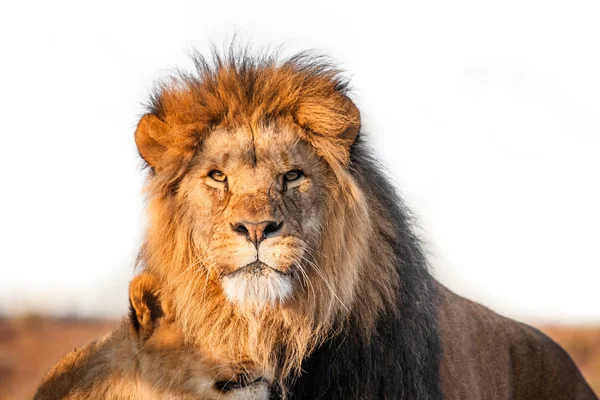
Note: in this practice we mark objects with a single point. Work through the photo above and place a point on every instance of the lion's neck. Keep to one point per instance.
(272, 338)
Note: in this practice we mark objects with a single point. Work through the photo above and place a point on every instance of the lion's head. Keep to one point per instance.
(146, 357)
(255, 218)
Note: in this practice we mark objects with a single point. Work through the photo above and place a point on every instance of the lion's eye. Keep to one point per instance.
(217, 175)
(293, 175)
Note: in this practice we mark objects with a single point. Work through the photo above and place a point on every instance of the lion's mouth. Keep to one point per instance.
(257, 285)
(242, 382)
(258, 268)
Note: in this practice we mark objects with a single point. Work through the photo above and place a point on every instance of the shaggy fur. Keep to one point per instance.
(146, 358)
(285, 114)
(364, 319)
(400, 359)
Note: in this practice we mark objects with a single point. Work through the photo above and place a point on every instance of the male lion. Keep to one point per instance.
(282, 241)
(146, 358)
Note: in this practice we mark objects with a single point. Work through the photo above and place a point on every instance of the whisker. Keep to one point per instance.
(200, 261)
(319, 272)
(309, 284)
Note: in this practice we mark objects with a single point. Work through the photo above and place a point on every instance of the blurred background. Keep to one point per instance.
(485, 113)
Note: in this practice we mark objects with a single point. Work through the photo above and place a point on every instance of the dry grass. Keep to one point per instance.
(30, 346)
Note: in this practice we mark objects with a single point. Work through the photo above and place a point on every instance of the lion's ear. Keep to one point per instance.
(150, 139)
(145, 308)
(333, 116)
(351, 132)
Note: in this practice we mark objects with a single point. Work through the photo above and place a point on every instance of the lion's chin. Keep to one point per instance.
(256, 288)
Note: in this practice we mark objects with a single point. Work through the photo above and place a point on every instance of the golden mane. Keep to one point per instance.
(307, 95)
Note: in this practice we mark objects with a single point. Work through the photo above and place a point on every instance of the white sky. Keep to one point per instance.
(487, 114)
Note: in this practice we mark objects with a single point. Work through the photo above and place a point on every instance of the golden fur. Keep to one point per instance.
(255, 119)
(145, 357)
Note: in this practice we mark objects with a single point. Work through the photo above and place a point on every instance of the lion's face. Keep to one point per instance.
(255, 200)
(256, 221)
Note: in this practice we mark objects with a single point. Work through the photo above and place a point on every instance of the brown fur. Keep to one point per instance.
(145, 357)
(486, 356)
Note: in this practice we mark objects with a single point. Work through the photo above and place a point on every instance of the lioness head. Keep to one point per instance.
(254, 217)
(168, 364)
(147, 358)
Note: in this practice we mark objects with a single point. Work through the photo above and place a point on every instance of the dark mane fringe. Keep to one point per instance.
(401, 359)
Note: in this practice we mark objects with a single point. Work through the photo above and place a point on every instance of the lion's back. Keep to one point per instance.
(489, 356)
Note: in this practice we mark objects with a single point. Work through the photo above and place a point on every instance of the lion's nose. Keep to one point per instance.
(256, 232)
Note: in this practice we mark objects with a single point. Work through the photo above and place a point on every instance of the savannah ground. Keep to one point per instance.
(29, 346)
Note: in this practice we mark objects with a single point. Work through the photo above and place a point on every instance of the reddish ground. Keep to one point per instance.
(30, 346)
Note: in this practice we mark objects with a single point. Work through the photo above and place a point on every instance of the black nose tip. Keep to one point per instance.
(256, 232)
